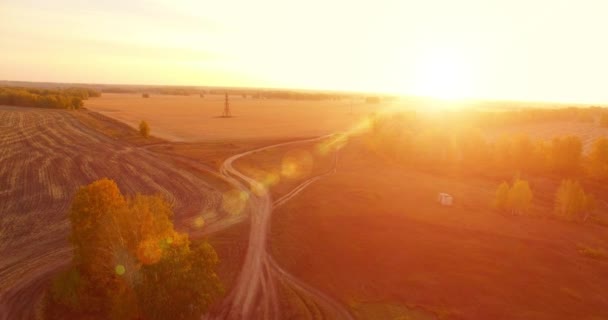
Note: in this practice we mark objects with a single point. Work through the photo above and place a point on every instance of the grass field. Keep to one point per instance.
(192, 118)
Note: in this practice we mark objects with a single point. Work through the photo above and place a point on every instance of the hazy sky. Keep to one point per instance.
(520, 49)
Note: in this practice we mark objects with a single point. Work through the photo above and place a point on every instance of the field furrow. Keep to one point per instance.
(46, 155)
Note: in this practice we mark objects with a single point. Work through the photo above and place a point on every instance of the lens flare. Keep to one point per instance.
(234, 201)
(296, 164)
(199, 222)
(120, 269)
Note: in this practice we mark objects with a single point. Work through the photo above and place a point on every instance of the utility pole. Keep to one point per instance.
(226, 113)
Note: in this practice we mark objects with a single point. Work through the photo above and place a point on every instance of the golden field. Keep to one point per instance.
(192, 118)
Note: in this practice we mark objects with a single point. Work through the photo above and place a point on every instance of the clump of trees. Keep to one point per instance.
(571, 201)
(145, 95)
(144, 129)
(531, 115)
(129, 262)
(69, 98)
(515, 199)
(440, 145)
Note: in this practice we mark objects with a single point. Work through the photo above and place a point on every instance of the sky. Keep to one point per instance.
(552, 50)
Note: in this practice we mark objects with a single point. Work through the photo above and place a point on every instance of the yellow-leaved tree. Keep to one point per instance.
(571, 201)
(520, 197)
(129, 262)
(515, 199)
(144, 129)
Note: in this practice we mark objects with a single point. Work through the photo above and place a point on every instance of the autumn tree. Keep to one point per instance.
(144, 129)
(129, 262)
(571, 201)
(71, 98)
(515, 199)
(520, 197)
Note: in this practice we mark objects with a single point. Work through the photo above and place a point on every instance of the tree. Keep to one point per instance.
(145, 95)
(502, 197)
(144, 129)
(129, 262)
(571, 201)
(520, 197)
(598, 158)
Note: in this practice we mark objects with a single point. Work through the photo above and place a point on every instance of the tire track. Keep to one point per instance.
(254, 295)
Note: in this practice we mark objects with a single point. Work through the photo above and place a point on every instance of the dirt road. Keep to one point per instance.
(254, 295)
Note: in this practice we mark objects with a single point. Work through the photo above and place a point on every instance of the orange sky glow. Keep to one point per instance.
(532, 50)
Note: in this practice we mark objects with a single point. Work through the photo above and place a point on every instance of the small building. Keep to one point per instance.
(445, 199)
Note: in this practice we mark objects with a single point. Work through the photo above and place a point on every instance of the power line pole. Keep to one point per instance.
(226, 113)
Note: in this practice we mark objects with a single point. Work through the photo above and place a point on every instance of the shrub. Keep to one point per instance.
(144, 129)
(571, 201)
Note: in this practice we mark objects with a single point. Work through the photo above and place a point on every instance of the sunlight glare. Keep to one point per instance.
(444, 74)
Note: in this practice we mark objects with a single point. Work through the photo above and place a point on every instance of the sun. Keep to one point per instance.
(443, 74)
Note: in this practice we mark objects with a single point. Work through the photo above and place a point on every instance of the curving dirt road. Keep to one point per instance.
(254, 295)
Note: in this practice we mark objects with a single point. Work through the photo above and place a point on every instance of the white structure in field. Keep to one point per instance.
(445, 199)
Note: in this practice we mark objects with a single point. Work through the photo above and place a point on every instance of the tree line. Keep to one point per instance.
(444, 145)
(510, 117)
(69, 98)
(571, 202)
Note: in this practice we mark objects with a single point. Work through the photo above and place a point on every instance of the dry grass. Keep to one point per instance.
(192, 118)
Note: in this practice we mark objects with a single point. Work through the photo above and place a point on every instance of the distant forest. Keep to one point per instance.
(68, 98)
(244, 93)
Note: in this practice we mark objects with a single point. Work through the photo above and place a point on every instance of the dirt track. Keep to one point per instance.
(255, 295)
(45, 155)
